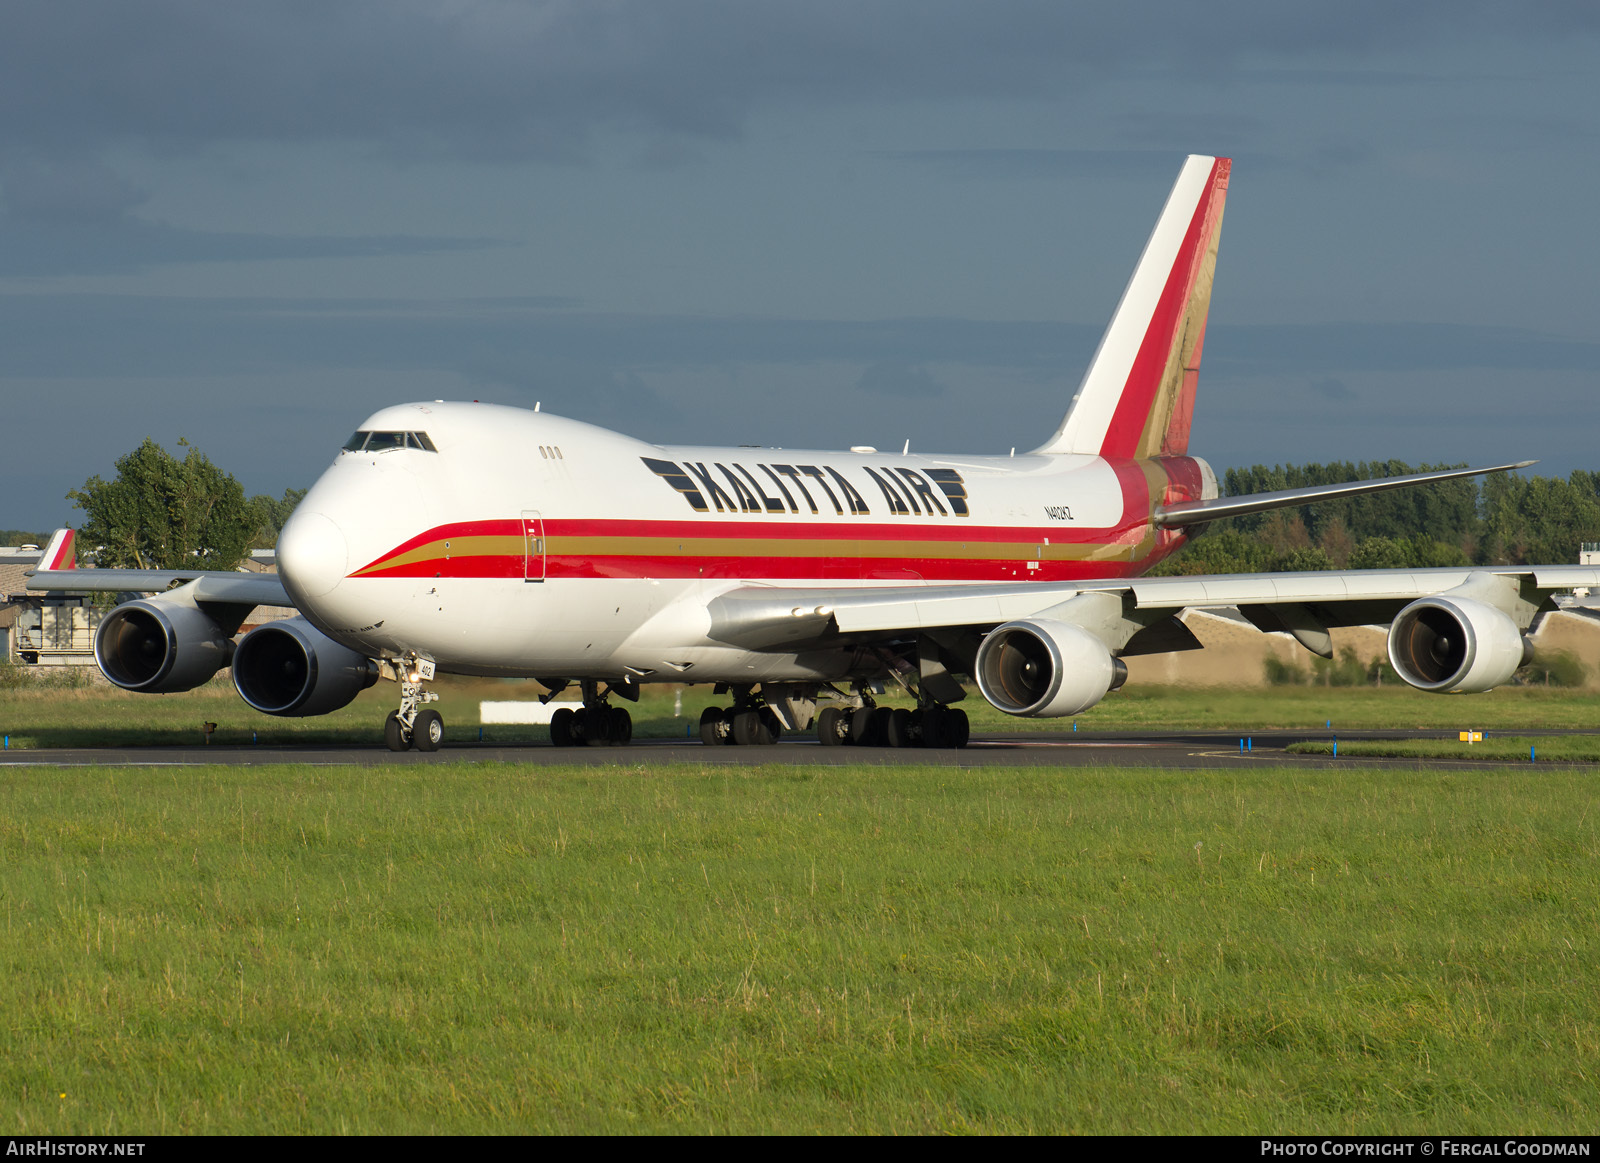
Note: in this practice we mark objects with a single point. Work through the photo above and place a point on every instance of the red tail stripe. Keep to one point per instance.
(1138, 397)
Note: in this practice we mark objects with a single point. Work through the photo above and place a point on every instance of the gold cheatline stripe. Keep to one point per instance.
(482, 546)
(783, 547)
(757, 547)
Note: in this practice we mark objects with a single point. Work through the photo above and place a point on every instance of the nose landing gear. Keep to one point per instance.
(411, 726)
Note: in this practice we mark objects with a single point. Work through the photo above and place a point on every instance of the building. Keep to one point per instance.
(58, 629)
(42, 629)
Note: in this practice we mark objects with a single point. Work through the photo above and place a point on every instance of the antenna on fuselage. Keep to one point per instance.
(536, 404)
(906, 451)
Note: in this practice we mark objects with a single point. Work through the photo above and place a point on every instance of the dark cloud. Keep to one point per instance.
(127, 245)
(1332, 389)
(538, 344)
(899, 379)
(69, 191)
(73, 215)
(486, 78)
(1037, 163)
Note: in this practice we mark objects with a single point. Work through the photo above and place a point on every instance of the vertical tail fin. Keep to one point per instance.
(61, 553)
(1137, 397)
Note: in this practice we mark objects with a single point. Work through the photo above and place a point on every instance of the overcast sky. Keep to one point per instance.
(801, 223)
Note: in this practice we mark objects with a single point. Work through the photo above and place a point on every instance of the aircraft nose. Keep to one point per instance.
(313, 555)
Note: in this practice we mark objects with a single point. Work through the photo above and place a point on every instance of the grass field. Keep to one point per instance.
(482, 947)
(35, 715)
(1501, 748)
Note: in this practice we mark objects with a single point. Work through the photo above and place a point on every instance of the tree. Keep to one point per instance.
(165, 513)
(270, 515)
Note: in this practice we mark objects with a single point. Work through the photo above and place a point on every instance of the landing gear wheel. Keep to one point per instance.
(713, 727)
(772, 726)
(956, 728)
(860, 726)
(750, 729)
(561, 728)
(619, 727)
(428, 731)
(833, 727)
(878, 727)
(897, 728)
(394, 735)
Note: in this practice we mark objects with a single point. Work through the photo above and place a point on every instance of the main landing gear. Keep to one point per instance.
(748, 723)
(411, 726)
(846, 720)
(597, 723)
(933, 725)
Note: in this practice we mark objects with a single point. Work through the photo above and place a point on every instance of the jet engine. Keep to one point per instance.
(157, 647)
(292, 668)
(1456, 645)
(1042, 668)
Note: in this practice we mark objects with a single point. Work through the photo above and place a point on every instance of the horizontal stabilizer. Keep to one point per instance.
(1196, 512)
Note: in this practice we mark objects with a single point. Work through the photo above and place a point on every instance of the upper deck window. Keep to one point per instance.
(384, 441)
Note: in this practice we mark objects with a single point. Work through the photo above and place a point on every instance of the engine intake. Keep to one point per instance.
(1042, 668)
(157, 647)
(292, 668)
(1456, 645)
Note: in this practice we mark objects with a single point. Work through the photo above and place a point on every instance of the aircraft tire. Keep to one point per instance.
(561, 727)
(956, 728)
(619, 727)
(394, 735)
(748, 729)
(771, 727)
(711, 732)
(897, 728)
(428, 731)
(832, 727)
(878, 727)
(860, 727)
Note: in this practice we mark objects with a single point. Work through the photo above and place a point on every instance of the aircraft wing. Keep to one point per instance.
(252, 589)
(763, 617)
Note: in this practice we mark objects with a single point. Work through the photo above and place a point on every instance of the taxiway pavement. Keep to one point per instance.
(1174, 749)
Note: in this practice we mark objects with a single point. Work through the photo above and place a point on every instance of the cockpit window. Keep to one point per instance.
(384, 441)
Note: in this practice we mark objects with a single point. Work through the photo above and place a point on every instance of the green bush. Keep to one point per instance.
(60, 678)
(1555, 668)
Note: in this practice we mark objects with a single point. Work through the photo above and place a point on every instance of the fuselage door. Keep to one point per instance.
(533, 546)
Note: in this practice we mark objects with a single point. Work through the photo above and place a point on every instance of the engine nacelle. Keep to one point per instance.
(292, 668)
(1456, 644)
(1042, 668)
(157, 647)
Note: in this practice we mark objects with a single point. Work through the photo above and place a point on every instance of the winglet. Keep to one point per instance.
(61, 553)
(1137, 397)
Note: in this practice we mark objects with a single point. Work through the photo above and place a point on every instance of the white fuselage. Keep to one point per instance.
(500, 541)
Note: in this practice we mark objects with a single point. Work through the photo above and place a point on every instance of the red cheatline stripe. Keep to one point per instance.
(1135, 511)
(851, 569)
(1138, 396)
